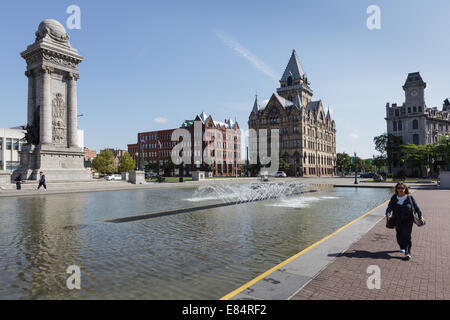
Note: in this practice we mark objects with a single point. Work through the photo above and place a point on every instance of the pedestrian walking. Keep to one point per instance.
(401, 208)
(42, 181)
(19, 182)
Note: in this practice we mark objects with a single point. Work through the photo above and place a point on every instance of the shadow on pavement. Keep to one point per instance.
(367, 255)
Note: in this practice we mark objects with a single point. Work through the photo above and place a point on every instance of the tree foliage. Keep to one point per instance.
(104, 163)
(283, 165)
(343, 162)
(127, 163)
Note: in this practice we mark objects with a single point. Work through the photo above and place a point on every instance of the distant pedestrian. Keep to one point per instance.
(401, 210)
(19, 182)
(42, 181)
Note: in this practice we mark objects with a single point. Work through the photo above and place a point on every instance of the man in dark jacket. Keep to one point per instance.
(42, 181)
(19, 182)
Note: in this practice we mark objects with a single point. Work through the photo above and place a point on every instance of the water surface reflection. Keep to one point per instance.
(197, 255)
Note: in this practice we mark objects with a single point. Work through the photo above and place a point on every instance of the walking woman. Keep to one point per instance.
(401, 209)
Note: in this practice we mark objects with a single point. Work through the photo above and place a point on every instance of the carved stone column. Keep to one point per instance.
(30, 76)
(72, 123)
(46, 108)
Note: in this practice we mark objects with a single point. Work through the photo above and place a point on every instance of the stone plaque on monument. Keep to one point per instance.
(52, 71)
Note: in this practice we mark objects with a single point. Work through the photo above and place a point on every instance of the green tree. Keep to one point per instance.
(388, 145)
(126, 163)
(284, 165)
(104, 163)
(342, 162)
(169, 167)
(379, 162)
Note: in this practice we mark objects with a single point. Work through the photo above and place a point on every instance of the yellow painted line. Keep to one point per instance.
(265, 274)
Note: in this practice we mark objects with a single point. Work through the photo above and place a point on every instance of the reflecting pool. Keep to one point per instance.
(194, 255)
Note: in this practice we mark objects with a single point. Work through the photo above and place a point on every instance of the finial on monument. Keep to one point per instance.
(52, 29)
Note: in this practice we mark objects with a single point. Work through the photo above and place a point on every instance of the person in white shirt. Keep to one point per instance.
(400, 208)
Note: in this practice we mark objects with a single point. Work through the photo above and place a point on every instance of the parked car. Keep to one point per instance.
(280, 174)
(150, 175)
(113, 177)
(367, 175)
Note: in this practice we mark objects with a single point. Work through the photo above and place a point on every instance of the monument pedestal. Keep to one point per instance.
(5, 179)
(57, 163)
(445, 179)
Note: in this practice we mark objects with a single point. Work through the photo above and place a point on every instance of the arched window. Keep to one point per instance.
(415, 124)
(289, 81)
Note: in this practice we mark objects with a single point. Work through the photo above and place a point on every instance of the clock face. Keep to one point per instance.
(414, 93)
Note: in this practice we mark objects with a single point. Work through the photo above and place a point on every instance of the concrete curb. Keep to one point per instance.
(284, 282)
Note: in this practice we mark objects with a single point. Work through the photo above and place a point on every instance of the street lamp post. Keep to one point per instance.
(447, 138)
(356, 177)
(136, 154)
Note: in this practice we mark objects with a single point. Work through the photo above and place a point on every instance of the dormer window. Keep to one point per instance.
(289, 81)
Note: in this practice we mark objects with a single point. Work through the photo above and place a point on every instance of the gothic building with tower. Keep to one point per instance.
(413, 122)
(307, 131)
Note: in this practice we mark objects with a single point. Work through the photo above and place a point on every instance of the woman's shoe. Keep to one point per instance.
(408, 257)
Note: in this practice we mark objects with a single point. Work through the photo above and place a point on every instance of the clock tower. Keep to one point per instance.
(414, 88)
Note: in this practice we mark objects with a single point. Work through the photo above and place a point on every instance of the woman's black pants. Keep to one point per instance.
(404, 230)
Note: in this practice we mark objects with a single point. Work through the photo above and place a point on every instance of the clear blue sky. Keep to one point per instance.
(146, 60)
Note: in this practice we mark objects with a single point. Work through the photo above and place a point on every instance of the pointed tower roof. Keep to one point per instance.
(203, 116)
(293, 69)
(256, 104)
(298, 101)
(328, 113)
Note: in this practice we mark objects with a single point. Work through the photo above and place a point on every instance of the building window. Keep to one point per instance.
(395, 125)
(420, 109)
(286, 144)
(409, 109)
(397, 113)
(415, 124)
(8, 143)
(414, 109)
(415, 138)
(399, 126)
(12, 165)
(285, 130)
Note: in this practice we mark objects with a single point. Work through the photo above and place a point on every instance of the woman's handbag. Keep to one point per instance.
(417, 221)
(390, 223)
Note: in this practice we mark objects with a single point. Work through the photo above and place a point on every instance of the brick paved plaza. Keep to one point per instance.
(426, 276)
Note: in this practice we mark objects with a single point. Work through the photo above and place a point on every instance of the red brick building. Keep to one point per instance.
(225, 145)
(152, 147)
(155, 147)
(89, 155)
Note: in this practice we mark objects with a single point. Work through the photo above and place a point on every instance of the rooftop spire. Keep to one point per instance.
(293, 69)
(256, 104)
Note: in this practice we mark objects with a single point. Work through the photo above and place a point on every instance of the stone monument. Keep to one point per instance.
(52, 71)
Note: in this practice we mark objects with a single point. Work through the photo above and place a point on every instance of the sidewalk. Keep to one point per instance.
(426, 276)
